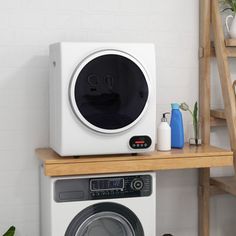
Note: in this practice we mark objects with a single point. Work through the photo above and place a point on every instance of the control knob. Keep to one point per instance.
(137, 184)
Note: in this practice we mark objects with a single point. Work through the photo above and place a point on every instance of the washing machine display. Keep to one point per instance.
(109, 91)
(99, 205)
(107, 184)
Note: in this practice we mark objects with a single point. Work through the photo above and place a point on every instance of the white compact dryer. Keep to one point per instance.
(108, 205)
(102, 98)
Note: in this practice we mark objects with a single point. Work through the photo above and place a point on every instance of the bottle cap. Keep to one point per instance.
(174, 105)
(164, 119)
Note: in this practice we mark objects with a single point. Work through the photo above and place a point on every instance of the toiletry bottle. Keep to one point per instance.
(164, 134)
(176, 124)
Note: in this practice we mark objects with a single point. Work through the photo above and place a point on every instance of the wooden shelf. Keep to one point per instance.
(230, 48)
(216, 122)
(230, 42)
(218, 113)
(231, 52)
(188, 157)
(226, 184)
(217, 118)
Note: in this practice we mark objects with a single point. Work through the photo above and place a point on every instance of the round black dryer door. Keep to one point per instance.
(109, 91)
(105, 219)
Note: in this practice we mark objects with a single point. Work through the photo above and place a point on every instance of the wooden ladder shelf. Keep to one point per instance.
(222, 49)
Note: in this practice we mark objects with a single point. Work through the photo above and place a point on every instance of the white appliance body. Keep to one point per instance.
(62, 217)
(102, 95)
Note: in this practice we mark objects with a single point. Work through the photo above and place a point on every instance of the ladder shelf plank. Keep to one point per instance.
(217, 122)
(230, 48)
(230, 51)
(218, 113)
(230, 42)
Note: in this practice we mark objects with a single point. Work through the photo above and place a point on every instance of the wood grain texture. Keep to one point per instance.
(231, 47)
(218, 113)
(216, 122)
(48, 156)
(204, 202)
(189, 157)
(230, 52)
(222, 49)
(230, 42)
(224, 71)
(204, 69)
(204, 95)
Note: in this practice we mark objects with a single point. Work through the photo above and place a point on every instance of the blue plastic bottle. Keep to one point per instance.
(176, 124)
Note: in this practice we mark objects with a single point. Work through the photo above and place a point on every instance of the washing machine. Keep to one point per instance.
(107, 205)
(102, 98)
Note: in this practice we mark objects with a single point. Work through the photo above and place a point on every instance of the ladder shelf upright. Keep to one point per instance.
(223, 49)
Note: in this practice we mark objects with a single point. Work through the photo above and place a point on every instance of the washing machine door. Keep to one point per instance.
(105, 219)
(109, 91)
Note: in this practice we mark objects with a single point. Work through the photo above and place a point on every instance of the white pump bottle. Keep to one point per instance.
(164, 134)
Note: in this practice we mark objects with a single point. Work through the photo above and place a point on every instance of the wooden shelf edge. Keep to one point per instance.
(216, 122)
(226, 184)
(230, 47)
(230, 42)
(136, 165)
(230, 51)
(203, 156)
(48, 156)
(218, 113)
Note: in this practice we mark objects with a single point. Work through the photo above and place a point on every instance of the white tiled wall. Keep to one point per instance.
(27, 27)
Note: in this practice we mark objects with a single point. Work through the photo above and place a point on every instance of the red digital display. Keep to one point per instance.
(139, 142)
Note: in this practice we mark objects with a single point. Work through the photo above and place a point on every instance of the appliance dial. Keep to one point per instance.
(137, 184)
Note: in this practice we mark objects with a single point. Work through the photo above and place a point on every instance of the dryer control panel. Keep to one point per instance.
(140, 142)
(102, 188)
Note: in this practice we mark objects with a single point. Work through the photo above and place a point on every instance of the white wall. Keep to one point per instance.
(27, 27)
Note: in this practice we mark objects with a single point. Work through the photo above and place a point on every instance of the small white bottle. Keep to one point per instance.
(164, 134)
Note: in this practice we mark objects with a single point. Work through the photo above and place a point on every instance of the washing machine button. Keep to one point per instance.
(137, 184)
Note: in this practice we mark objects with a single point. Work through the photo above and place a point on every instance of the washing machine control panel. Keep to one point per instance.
(102, 188)
(121, 187)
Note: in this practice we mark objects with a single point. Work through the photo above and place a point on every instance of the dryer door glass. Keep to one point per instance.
(111, 92)
(105, 219)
